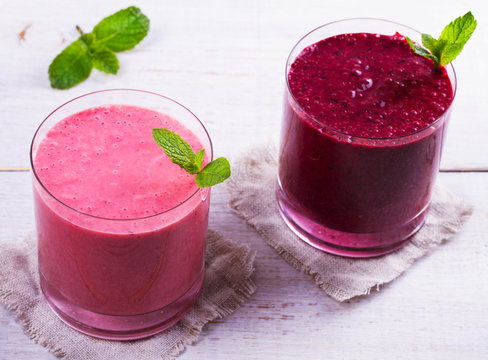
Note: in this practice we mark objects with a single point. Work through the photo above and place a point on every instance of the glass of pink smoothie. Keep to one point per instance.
(362, 133)
(121, 229)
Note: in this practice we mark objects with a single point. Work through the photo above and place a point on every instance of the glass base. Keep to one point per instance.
(120, 327)
(355, 245)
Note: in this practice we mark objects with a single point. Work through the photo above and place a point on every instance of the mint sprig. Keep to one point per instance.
(181, 153)
(448, 46)
(118, 32)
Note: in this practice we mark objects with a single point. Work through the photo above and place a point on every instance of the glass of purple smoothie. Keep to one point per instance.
(363, 126)
(121, 230)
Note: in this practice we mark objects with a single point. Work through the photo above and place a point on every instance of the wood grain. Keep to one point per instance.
(225, 61)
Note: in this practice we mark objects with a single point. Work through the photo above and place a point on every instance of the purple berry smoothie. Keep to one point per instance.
(361, 142)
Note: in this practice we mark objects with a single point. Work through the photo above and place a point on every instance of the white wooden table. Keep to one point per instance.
(225, 61)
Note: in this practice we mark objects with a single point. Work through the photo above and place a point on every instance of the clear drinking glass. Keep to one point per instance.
(351, 195)
(117, 278)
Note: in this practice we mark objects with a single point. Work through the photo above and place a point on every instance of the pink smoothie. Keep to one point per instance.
(130, 236)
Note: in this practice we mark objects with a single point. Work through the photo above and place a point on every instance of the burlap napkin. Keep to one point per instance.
(227, 284)
(252, 191)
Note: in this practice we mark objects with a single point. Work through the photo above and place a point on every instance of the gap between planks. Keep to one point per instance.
(14, 169)
(459, 170)
(465, 170)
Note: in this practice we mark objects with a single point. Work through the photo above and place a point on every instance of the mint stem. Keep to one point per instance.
(79, 30)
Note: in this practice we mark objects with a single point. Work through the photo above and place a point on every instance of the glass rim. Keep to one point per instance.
(117, 90)
(365, 138)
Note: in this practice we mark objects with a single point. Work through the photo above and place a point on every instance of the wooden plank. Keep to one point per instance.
(436, 309)
(224, 60)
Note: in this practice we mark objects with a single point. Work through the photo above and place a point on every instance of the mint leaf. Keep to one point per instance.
(181, 153)
(419, 50)
(199, 159)
(104, 59)
(452, 40)
(118, 32)
(429, 42)
(178, 150)
(456, 34)
(86, 38)
(122, 30)
(71, 66)
(213, 173)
